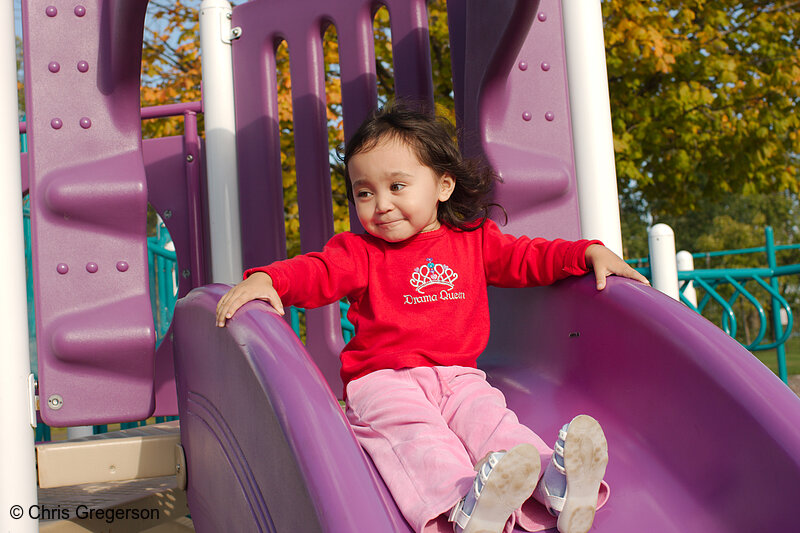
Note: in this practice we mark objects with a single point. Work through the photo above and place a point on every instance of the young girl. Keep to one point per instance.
(416, 283)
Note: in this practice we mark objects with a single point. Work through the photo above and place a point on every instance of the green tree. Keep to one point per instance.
(170, 61)
(704, 97)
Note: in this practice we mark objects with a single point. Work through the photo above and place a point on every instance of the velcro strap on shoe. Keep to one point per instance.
(458, 516)
(558, 449)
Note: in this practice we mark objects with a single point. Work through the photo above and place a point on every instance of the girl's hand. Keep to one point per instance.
(606, 263)
(258, 286)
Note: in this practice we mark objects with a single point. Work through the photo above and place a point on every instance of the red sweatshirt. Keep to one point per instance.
(423, 301)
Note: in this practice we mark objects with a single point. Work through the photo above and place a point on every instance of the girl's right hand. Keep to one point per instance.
(258, 286)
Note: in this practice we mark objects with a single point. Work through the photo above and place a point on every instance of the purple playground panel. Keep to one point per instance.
(95, 334)
(90, 178)
(300, 24)
(510, 84)
(489, 44)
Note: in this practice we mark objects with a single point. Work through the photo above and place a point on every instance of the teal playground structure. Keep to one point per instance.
(162, 265)
(777, 318)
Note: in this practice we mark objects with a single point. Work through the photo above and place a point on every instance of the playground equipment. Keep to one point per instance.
(695, 424)
(667, 270)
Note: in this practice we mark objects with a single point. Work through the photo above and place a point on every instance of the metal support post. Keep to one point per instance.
(685, 263)
(663, 266)
(220, 127)
(590, 110)
(777, 325)
(18, 492)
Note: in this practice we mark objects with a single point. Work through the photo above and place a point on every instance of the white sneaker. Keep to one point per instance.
(571, 481)
(504, 481)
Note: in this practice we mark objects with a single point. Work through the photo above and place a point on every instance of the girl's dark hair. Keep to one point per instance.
(433, 141)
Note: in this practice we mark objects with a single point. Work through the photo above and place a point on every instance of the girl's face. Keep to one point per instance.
(396, 196)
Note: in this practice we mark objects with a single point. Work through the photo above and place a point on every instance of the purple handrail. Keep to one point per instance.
(156, 111)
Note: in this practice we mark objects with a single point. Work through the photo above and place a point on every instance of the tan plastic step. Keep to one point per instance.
(152, 505)
(143, 452)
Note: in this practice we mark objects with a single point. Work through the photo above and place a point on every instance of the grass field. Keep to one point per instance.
(770, 357)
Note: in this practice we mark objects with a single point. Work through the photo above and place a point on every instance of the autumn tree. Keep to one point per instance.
(170, 61)
(704, 97)
(20, 85)
(333, 93)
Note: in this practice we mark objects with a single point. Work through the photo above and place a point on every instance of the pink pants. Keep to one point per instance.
(426, 428)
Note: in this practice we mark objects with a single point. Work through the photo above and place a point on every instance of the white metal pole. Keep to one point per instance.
(685, 262)
(17, 460)
(591, 122)
(220, 129)
(663, 266)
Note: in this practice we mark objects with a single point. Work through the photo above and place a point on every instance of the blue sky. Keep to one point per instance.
(17, 17)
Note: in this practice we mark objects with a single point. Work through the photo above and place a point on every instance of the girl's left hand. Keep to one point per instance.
(606, 263)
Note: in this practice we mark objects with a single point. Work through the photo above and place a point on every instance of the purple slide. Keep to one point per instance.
(697, 427)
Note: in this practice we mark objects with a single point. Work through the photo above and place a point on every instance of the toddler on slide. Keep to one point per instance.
(416, 282)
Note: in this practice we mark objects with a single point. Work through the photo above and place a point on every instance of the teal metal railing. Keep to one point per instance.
(162, 265)
(348, 330)
(26, 225)
(779, 313)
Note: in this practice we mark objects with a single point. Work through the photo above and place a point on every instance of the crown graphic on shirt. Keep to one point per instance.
(432, 274)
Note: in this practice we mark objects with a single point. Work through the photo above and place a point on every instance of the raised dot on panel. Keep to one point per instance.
(91, 268)
(122, 266)
(53, 67)
(542, 16)
(86, 123)
(56, 123)
(62, 268)
(526, 115)
(83, 66)
(80, 11)
(545, 66)
(51, 11)
(523, 65)
(549, 116)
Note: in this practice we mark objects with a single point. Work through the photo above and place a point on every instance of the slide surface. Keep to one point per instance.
(702, 436)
